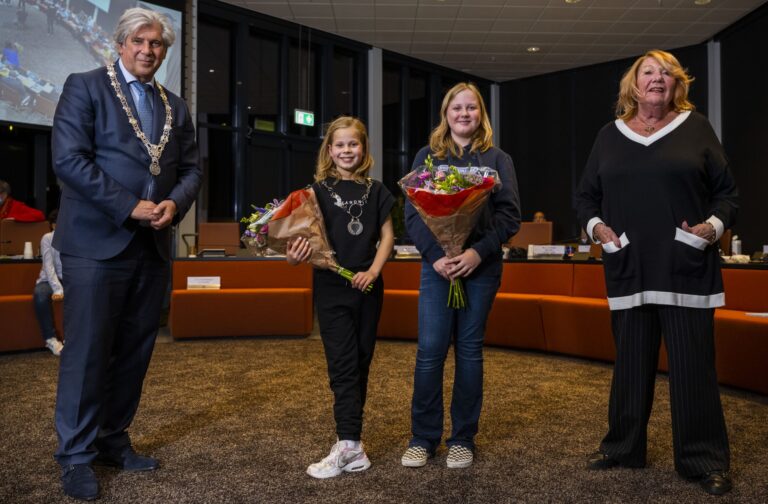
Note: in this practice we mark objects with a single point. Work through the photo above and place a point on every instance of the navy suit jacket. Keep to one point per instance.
(104, 167)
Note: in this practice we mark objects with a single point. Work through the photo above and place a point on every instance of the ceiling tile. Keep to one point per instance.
(479, 12)
(434, 24)
(355, 24)
(395, 24)
(628, 28)
(474, 37)
(308, 10)
(667, 28)
(354, 11)
(428, 46)
(472, 25)
(610, 15)
(552, 26)
(396, 11)
(437, 11)
(423, 36)
(393, 36)
(513, 12)
(566, 12)
(461, 57)
(512, 25)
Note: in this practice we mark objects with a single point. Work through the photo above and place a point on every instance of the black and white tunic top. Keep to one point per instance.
(645, 188)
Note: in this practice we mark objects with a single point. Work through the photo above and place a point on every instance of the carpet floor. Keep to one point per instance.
(239, 420)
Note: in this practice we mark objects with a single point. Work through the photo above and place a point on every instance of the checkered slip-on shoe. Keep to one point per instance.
(459, 457)
(415, 456)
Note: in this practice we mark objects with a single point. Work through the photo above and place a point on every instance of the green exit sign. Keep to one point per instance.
(304, 117)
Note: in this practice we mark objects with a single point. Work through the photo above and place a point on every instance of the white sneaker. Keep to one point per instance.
(345, 456)
(54, 345)
(415, 456)
(459, 457)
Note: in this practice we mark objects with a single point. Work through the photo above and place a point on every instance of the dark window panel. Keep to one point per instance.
(214, 74)
(264, 172)
(262, 74)
(217, 161)
(392, 115)
(419, 126)
(303, 87)
(344, 67)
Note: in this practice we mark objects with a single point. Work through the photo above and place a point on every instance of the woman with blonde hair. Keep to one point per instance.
(463, 137)
(657, 193)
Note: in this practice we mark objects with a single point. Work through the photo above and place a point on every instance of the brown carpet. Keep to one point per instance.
(239, 421)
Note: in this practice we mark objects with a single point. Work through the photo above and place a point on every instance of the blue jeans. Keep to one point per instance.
(437, 326)
(44, 310)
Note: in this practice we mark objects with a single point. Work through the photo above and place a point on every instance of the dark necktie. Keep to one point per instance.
(144, 107)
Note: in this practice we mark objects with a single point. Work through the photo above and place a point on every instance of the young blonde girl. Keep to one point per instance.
(356, 211)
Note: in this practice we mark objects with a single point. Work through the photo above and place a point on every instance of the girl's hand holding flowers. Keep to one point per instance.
(463, 264)
(363, 279)
(298, 251)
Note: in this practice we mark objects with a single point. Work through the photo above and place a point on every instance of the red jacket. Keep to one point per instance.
(13, 209)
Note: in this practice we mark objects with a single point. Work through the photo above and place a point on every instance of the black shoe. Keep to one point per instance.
(127, 460)
(716, 483)
(79, 481)
(599, 461)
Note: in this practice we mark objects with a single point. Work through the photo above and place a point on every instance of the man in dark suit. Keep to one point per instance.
(124, 149)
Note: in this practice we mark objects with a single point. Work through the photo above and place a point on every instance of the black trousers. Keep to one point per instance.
(348, 319)
(111, 317)
(699, 434)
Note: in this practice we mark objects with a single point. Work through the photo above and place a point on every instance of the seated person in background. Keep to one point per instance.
(48, 288)
(11, 54)
(539, 217)
(13, 209)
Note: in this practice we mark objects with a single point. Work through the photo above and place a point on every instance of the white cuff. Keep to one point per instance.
(719, 226)
(594, 221)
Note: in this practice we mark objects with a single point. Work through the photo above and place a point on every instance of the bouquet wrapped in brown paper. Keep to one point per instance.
(449, 200)
(300, 216)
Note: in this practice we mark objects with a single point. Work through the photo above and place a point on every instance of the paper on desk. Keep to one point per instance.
(200, 282)
(757, 314)
(610, 247)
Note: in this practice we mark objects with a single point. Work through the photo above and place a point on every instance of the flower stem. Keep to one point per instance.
(344, 272)
(456, 297)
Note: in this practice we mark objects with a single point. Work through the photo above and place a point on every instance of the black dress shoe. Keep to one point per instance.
(716, 483)
(599, 461)
(127, 460)
(79, 481)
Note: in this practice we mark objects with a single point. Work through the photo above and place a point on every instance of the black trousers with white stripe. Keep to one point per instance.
(698, 426)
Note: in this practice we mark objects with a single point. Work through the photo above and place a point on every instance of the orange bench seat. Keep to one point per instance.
(258, 297)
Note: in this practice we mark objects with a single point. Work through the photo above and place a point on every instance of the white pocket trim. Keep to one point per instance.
(611, 248)
(690, 239)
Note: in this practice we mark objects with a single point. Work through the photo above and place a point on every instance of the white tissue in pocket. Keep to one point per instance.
(611, 248)
(690, 239)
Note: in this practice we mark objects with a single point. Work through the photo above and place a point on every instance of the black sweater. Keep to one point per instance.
(646, 192)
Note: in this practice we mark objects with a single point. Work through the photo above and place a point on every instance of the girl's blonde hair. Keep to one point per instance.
(325, 166)
(626, 104)
(440, 141)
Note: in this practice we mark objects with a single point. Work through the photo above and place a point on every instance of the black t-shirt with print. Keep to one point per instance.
(354, 252)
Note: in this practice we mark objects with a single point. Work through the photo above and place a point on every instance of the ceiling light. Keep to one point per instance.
(533, 49)
(701, 2)
(572, 1)
(211, 70)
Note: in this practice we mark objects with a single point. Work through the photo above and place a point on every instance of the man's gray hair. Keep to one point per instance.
(5, 187)
(134, 19)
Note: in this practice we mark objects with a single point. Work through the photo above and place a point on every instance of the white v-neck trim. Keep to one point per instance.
(635, 137)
